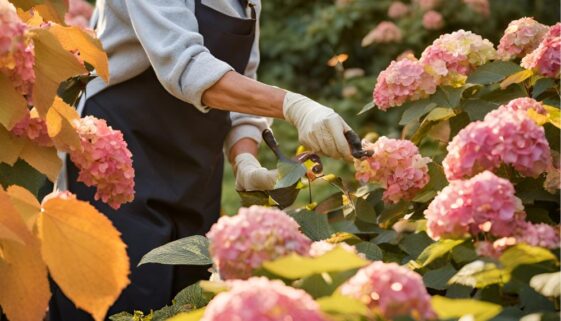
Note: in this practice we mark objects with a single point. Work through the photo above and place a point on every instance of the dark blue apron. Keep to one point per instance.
(178, 160)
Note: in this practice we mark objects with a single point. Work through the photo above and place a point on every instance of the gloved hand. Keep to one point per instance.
(251, 176)
(320, 129)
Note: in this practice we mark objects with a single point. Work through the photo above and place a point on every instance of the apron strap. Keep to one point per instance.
(251, 5)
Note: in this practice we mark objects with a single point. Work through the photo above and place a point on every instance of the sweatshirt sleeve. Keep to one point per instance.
(168, 32)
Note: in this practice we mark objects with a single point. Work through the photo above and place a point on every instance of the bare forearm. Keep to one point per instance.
(234, 92)
(244, 145)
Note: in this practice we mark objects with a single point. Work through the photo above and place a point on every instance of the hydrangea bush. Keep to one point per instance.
(455, 218)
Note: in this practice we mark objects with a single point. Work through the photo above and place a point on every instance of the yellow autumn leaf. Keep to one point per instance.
(26, 204)
(84, 252)
(53, 65)
(91, 50)
(52, 10)
(59, 125)
(23, 276)
(516, 78)
(553, 115)
(13, 106)
(537, 117)
(11, 147)
(43, 159)
(11, 225)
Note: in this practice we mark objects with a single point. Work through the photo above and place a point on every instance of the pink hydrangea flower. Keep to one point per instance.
(397, 10)
(384, 32)
(432, 20)
(426, 5)
(240, 244)
(390, 291)
(79, 13)
(541, 234)
(260, 299)
(480, 6)
(521, 37)
(506, 135)
(523, 144)
(453, 56)
(472, 151)
(105, 161)
(34, 128)
(483, 204)
(546, 59)
(403, 80)
(16, 50)
(397, 165)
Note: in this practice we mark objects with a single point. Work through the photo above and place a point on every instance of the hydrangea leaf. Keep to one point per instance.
(84, 253)
(13, 106)
(59, 125)
(456, 308)
(192, 250)
(493, 72)
(433, 252)
(43, 159)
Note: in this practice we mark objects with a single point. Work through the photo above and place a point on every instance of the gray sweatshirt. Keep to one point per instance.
(137, 34)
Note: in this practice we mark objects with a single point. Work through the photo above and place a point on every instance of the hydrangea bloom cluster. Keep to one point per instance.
(521, 37)
(541, 235)
(260, 299)
(105, 161)
(16, 50)
(546, 59)
(480, 6)
(433, 20)
(397, 10)
(390, 291)
(485, 203)
(397, 165)
(320, 248)
(552, 181)
(452, 56)
(426, 5)
(402, 81)
(506, 135)
(385, 32)
(241, 243)
(79, 13)
(523, 144)
(34, 128)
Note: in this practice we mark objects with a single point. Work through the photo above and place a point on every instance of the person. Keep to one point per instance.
(182, 90)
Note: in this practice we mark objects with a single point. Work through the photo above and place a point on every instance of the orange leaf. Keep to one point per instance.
(11, 225)
(84, 252)
(43, 159)
(25, 290)
(53, 65)
(52, 10)
(13, 106)
(91, 50)
(11, 147)
(59, 125)
(26, 204)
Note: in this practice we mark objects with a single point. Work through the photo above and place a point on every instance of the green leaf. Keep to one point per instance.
(479, 274)
(342, 305)
(493, 72)
(415, 243)
(289, 174)
(189, 299)
(530, 190)
(365, 211)
(541, 86)
(532, 301)
(325, 284)
(192, 250)
(22, 174)
(433, 252)
(313, 225)
(547, 284)
(438, 279)
(394, 212)
(295, 266)
(477, 108)
(370, 250)
(440, 113)
(456, 308)
(366, 108)
(525, 254)
(450, 97)
(386, 236)
(415, 110)
(500, 97)
(464, 253)
(516, 78)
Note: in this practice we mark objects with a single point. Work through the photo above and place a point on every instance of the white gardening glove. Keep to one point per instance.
(251, 176)
(320, 129)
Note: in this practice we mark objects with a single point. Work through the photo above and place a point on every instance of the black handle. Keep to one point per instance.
(270, 140)
(356, 146)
